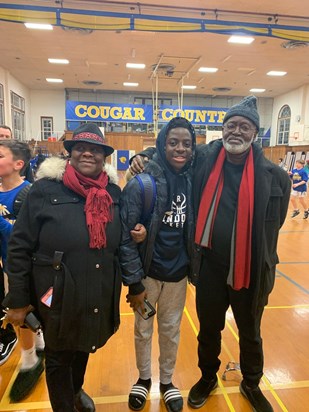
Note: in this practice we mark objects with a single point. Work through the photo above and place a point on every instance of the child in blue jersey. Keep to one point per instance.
(299, 188)
(7, 217)
(14, 155)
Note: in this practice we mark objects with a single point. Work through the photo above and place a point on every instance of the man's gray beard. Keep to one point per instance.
(237, 148)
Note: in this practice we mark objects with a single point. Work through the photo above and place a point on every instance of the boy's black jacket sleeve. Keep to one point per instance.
(149, 152)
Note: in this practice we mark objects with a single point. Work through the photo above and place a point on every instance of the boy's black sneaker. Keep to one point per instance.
(295, 213)
(8, 341)
(200, 392)
(306, 214)
(256, 398)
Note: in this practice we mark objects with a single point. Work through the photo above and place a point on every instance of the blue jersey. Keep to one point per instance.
(6, 220)
(297, 176)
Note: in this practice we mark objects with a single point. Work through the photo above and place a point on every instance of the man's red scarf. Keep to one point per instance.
(98, 207)
(240, 262)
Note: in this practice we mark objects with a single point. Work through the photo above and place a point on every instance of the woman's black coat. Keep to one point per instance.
(49, 248)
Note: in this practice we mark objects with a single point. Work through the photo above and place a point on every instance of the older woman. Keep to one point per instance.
(62, 260)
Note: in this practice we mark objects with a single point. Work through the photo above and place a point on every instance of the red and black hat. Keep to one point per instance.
(89, 133)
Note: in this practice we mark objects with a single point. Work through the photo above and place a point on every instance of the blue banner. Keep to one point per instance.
(136, 113)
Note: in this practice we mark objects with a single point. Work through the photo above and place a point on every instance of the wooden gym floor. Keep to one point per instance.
(285, 330)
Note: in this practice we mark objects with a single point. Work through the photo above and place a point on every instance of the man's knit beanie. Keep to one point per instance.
(246, 108)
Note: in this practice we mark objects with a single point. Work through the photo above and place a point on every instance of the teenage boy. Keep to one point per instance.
(158, 268)
(14, 155)
(299, 188)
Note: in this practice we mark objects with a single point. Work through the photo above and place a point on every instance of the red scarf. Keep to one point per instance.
(240, 265)
(98, 207)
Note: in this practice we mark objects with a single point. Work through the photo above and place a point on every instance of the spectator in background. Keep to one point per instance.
(37, 160)
(282, 164)
(8, 338)
(26, 172)
(13, 156)
(299, 188)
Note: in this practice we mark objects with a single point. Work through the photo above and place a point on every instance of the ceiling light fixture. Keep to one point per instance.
(241, 39)
(128, 84)
(276, 73)
(39, 26)
(188, 87)
(135, 65)
(208, 69)
(50, 80)
(257, 90)
(59, 61)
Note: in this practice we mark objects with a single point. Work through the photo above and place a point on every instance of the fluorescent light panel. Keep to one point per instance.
(39, 26)
(208, 69)
(276, 73)
(241, 39)
(59, 61)
(50, 80)
(188, 87)
(128, 84)
(257, 90)
(135, 65)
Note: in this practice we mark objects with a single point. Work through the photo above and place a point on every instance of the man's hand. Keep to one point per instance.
(138, 164)
(137, 301)
(139, 233)
(17, 316)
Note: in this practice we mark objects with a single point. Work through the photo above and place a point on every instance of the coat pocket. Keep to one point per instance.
(56, 318)
(273, 211)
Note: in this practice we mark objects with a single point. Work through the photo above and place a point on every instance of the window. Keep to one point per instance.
(284, 121)
(47, 126)
(18, 116)
(2, 120)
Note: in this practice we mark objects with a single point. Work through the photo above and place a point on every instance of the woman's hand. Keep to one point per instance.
(138, 164)
(139, 233)
(17, 316)
(137, 301)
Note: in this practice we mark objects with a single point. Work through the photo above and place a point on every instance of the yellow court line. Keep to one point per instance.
(191, 321)
(224, 392)
(127, 313)
(264, 378)
(273, 392)
(221, 386)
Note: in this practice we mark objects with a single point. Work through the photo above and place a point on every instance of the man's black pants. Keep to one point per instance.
(213, 297)
(65, 372)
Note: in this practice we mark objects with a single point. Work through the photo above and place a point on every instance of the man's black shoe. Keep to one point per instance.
(256, 398)
(200, 391)
(83, 402)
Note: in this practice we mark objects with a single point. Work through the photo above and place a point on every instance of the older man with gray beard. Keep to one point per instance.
(241, 202)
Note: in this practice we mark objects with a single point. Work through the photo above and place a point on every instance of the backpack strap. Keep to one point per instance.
(148, 194)
(19, 199)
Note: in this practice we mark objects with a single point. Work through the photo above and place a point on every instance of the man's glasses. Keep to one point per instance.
(243, 127)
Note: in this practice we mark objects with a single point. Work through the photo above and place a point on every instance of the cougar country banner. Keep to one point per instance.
(137, 113)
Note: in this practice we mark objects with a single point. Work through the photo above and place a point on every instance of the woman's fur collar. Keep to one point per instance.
(53, 168)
